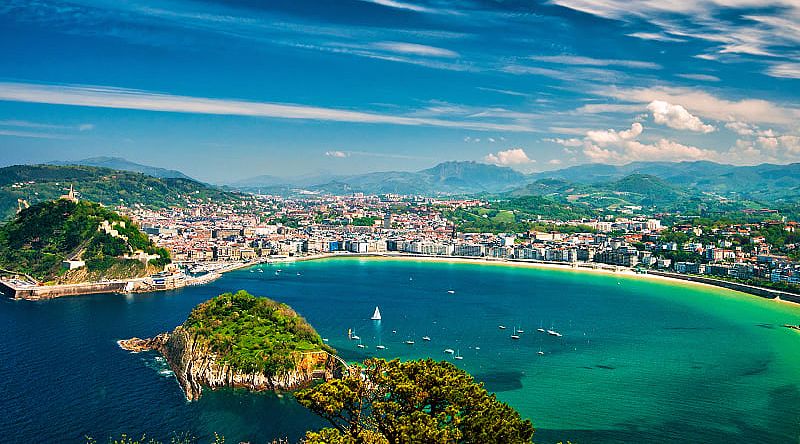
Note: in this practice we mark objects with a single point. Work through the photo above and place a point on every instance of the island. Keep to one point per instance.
(239, 340)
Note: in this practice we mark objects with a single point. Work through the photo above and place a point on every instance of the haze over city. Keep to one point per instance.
(225, 90)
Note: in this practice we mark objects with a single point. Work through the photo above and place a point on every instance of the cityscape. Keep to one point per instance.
(399, 221)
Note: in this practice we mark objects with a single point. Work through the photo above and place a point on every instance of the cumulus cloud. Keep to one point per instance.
(337, 154)
(612, 146)
(513, 156)
(677, 117)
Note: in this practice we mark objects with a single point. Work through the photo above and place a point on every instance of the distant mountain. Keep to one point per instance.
(118, 163)
(37, 183)
(444, 178)
(764, 183)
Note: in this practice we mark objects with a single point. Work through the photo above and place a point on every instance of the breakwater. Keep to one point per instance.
(39, 292)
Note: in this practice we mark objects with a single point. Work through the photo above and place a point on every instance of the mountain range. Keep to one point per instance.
(118, 163)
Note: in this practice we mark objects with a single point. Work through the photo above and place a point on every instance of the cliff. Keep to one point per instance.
(199, 362)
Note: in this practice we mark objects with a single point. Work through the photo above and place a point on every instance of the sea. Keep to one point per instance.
(638, 360)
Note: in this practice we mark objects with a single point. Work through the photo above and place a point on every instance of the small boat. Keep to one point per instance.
(380, 347)
(449, 350)
(514, 336)
(251, 271)
(410, 342)
(394, 331)
(501, 327)
(540, 352)
(276, 273)
(451, 291)
(519, 330)
(324, 339)
(540, 329)
(377, 315)
(356, 338)
(260, 270)
(298, 274)
(426, 338)
(360, 345)
(458, 356)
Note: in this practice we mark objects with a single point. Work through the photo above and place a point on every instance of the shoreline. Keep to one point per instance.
(124, 286)
(588, 267)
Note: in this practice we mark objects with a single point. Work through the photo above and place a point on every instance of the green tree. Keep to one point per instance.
(409, 402)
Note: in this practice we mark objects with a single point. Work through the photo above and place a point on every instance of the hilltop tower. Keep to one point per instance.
(70, 196)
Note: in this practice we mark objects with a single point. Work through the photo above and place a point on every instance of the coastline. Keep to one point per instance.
(579, 267)
(138, 285)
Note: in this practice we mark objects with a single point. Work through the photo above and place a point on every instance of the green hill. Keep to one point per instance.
(39, 238)
(37, 183)
(252, 334)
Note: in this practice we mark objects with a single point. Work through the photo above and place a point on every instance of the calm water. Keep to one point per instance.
(639, 361)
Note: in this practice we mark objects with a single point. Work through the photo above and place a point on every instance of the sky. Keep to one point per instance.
(229, 90)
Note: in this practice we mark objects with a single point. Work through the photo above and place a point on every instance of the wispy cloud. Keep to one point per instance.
(655, 36)
(401, 5)
(588, 61)
(336, 154)
(700, 77)
(105, 97)
(415, 49)
(32, 135)
(46, 126)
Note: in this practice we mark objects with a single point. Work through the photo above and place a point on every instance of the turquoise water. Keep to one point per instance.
(639, 360)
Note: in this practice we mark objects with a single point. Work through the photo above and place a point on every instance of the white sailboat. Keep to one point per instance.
(458, 356)
(377, 315)
(449, 351)
(516, 334)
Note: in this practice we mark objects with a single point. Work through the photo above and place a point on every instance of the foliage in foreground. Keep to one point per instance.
(411, 402)
(253, 334)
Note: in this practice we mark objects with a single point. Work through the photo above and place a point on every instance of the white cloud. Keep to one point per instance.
(572, 142)
(655, 36)
(601, 108)
(105, 97)
(400, 5)
(612, 146)
(513, 156)
(784, 70)
(85, 127)
(32, 135)
(415, 49)
(775, 32)
(610, 136)
(677, 117)
(700, 77)
(554, 162)
(707, 105)
(588, 61)
(337, 154)
(741, 128)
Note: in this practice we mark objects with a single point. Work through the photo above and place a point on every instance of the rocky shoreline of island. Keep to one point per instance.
(196, 364)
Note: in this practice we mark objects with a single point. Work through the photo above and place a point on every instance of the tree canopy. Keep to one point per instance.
(423, 401)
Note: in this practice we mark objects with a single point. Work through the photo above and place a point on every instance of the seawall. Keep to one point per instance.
(39, 292)
(744, 288)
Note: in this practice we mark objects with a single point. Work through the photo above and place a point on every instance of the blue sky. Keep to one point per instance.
(226, 90)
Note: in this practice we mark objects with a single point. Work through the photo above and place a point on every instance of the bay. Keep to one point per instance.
(640, 360)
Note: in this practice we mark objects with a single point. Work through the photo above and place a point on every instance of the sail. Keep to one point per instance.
(377, 315)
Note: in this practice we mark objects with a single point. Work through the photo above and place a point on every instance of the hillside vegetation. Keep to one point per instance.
(39, 238)
(36, 183)
(253, 335)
